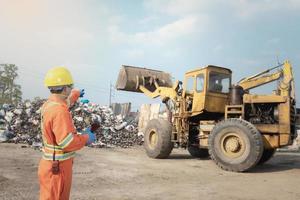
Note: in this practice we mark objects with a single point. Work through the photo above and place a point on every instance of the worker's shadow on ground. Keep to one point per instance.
(278, 163)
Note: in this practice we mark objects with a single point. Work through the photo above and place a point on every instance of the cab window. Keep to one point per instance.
(218, 82)
(189, 84)
(200, 83)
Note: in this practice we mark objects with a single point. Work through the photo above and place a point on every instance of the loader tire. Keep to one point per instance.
(267, 155)
(157, 140)
(235, 145)
(197, 152)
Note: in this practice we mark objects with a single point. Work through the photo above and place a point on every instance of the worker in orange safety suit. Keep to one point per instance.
(60, 138)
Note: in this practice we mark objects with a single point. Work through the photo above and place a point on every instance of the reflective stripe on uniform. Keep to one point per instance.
(60, 157)
(51, 147)
(63, 144)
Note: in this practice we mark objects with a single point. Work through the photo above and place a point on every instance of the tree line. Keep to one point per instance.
(10, 92)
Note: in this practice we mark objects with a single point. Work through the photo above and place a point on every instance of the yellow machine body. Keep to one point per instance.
(207, 100)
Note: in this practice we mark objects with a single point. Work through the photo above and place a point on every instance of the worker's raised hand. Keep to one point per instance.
(92, 137)
(81, 93)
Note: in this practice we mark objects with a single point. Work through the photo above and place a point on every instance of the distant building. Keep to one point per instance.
(122, 109)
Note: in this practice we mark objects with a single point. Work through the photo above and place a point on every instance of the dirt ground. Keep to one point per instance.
(130, 174)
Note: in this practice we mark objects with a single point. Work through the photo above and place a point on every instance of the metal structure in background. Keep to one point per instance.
(212, 116)
(122, 109)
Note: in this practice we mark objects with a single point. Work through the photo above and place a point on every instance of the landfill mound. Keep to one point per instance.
(21, 124)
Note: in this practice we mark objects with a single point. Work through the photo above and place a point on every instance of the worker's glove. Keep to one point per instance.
(92, 137)
(81, 93)
(84, 101)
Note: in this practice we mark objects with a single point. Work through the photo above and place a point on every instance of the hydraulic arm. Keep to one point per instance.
(286, 86)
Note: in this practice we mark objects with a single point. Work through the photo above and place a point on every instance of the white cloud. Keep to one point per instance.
(294, 4)
(134, 53)
(179, 7)
(65, 37)
(169, 32)
(163, 35)
(147, 20)
(218, 48)
(116, 35)
(242, 8)
(251, 8)
(273, 41)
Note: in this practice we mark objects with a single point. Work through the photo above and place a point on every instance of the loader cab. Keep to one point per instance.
(206, 90)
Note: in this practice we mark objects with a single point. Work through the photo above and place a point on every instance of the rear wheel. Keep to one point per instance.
(193, 144)
(157, 140)
(267, 155)
(198, 152)
(235, 145)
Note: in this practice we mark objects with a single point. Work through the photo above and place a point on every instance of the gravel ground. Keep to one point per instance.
(129, 174)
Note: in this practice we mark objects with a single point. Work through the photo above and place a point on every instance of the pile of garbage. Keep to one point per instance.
(21, 124)
(113, 131)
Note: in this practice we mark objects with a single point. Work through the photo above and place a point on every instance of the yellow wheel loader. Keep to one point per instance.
(210, 116)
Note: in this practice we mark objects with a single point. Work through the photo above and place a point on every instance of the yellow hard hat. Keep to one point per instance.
(58, 76)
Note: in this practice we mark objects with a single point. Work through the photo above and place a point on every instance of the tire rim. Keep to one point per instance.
(232, 145)
(153, 139)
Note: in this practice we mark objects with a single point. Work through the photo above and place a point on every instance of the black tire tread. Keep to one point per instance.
(166, 147)
(255, 134)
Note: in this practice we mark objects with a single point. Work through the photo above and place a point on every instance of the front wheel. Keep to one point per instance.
(157, 140)
(235, 145)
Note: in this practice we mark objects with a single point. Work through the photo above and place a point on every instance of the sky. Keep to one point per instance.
(94, 38)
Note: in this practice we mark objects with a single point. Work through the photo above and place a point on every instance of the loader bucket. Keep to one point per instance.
(130, 78)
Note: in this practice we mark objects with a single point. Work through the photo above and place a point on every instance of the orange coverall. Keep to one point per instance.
(59, 136)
